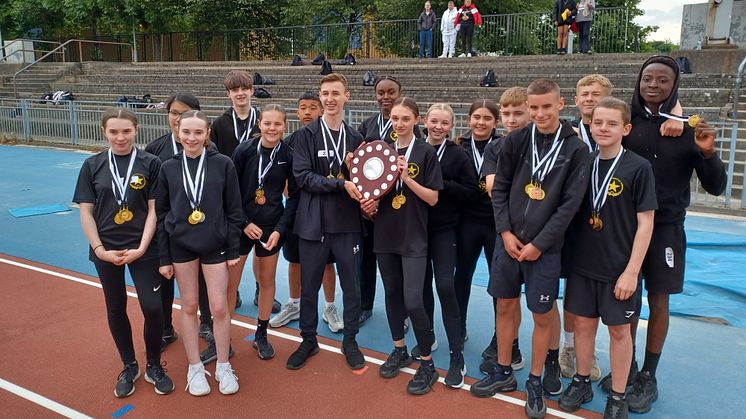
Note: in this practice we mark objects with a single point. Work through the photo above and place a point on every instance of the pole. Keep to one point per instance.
(134, 43)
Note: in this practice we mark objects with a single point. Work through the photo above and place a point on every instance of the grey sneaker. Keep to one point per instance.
(536, 406)
(551, 382)
(331, 316)
(567, 362)
(644, 393)
(288, 313)
(416, 349)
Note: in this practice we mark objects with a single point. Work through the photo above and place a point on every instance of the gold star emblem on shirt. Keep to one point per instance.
(413, 170)
(615, 187)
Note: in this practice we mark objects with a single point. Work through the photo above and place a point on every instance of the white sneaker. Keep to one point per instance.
(468, 55)
(442, 56)
(331, 316)
(196, 381)
(288, 313)
(224, 375)
(462, 55)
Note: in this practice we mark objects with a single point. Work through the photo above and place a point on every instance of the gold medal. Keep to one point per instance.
(340, 176)
(401, 198)
(118, 218)
(330, 175)
(394, 136)
(694, 120)
(529, 187)
(125, 214)
(395, 204)
(260, 200)
(483, 186)
(196, 217)
(596, 223)
(536, 193)
(259, 193)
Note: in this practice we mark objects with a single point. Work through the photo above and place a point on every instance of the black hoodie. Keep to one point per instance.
(221, 203)
(542, 223)
(478, 210)
(459, 187)
(223, 135)
(673, 159)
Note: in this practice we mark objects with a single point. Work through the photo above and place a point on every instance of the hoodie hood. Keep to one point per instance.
(638, 104)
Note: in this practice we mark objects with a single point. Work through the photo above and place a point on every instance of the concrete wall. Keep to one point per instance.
(694, 22)
(713, 60)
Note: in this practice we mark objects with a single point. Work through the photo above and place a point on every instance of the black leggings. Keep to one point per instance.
(467, 33)
(473, 236)
(441, 249)
(167, 300)
(368, 278)
(403, 280)
(147, 283)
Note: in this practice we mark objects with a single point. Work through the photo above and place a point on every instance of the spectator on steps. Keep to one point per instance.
(467, 17)
(584, 18)
(562, 15)
(425, 25)
(448, 30)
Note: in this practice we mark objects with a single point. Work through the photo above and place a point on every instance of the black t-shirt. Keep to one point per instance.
(577, 123)
(404, 231)
(272, 214)
(370, 130)
(603, 255)
(163, 147)
(94, 187)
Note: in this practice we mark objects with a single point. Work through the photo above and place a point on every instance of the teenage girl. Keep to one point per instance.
(264, 165)
(459, 185)
(116, 193)
(199, 225)
(477, 229)
(400, 238)
(562, 15)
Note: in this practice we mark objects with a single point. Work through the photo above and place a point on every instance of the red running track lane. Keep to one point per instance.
(56, 343)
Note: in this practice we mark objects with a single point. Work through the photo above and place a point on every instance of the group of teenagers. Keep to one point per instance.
(599, 201)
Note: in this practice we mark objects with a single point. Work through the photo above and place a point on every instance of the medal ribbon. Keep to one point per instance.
(252, 120)
(599, 192)
(541, 167)
(441, 150)
(194, 188)
(173, 144)
(669, 116)
(478, 158)
(383, 128)
(584, 136)
(119, 185)
(326, 132)
(400, 183)
(262, 173)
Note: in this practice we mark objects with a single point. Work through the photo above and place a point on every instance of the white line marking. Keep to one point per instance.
(41, 400)
(372, 360)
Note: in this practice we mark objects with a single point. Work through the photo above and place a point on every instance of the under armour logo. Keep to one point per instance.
(544, 298)
(628, 314)
(355, 249)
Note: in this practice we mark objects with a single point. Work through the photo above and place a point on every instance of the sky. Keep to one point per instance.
(667, 15)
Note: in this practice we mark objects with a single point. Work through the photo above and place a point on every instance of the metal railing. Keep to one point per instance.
(5, 56)
(505, 34)
(734, 115)
(727, 149)
(62, 48)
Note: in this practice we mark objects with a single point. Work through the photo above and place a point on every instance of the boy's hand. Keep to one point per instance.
(672, 128)
(511, 244)
(529, 253)
(626, 285)
(704, 137)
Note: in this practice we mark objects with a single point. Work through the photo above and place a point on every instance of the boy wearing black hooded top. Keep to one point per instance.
(239, 122)
(673, 161)
(328, 220)
(538, 188)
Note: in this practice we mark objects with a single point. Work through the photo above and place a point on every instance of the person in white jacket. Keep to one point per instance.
(449, 31)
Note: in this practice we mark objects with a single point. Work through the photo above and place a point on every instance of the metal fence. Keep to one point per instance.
(77, 123)
(506, 34)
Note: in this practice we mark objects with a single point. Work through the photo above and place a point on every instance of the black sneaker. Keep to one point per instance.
(487, 366)
(398, 358)
(355, 359)
(156, 375)
(210, 354)
(416, 350)
(456, 371)
(577, 393)
(169, 336)
(616, 408)
(126, 380)
(423, 380)
(536, 406)
(551, 382)
(644, 393)
(239, 301)
(256, 296)
(516, 360)
(490, 352)
(605, 382)
(263, 348)
(494, 382)
(276, 306)
(364, 316)
(205, 332)
(307, 349)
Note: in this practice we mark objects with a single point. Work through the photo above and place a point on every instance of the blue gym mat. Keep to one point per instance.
(38, 210)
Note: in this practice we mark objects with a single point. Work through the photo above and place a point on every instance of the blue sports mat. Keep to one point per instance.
(38, 210)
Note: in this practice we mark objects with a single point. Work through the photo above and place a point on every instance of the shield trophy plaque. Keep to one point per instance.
(373, 169)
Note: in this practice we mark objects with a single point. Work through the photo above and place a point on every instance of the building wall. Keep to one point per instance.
(694, 22)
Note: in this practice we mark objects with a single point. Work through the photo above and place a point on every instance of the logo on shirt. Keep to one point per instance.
(413, 170)
(615, 187)
(544, 298)
(628, 313)
(138, 181)
(355, 249)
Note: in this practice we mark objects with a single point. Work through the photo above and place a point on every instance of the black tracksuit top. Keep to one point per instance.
(459, 188)
(223, 135)
(479, 210)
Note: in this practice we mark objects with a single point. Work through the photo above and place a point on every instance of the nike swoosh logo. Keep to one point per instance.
(155, 289)
(281, 162)
(222, 253)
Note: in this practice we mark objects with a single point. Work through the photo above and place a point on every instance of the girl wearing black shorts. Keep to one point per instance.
(116, 193)
(264, 165)
(199, 223)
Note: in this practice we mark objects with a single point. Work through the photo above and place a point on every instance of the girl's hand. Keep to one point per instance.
(403, 168)
(112, 256)
(253, 231)
(272, 241)
(131, 255)
(233, 262)
(167, 271)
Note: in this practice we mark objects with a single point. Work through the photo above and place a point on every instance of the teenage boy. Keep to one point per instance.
(329, 219)
(673, 160)
(538, 187)
(309, 108)
(236, 125)
(514, 115)
(611, 236)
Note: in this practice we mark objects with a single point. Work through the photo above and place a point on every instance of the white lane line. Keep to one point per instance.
(41, 400)
(372, 360)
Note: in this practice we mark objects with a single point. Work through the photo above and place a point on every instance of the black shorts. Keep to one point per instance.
(588, 297)
(663, 267)
(291, 252)
(182, 255)
(247, 244)
(541, 278)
